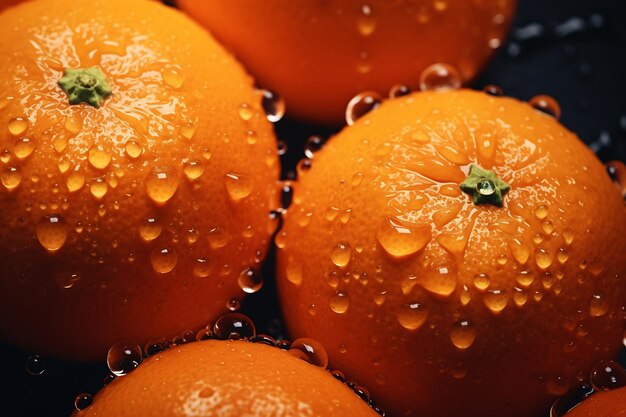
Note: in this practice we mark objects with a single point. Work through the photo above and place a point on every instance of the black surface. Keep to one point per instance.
(584, 70)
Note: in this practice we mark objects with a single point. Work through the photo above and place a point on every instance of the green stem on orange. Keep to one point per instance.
(85, 85)
(484, 186)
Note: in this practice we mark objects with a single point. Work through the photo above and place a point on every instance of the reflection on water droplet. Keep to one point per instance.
(547, 105)
(193, 169)
(133, 149)
(99, 158)
(599, 305)
(202, 268)
(23, 148)
(481, 281)
(234, 326)
(82, 401)
(401, 240)
(310, 351)
(543, 258)
(98, 188)
(18, 126)
(150, 229)
(123, 358)
(496, 300)
(173, 76)
(75, 181)
(238, 186)
(35, 365)
(607, 375)
(339, 302)
(11, 178)
(52, 232)
(493, 90)
(412, 315)
(463, 334)
(273, 105)
(250, 281)
(245, 112)
(163, 260)
(399, 90)
(162, 183)
(439, 77)
(360, 105)
(340, 255)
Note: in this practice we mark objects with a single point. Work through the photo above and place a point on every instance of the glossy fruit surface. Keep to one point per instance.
(439, 305)
(318, 54)
(226, 379)
(132, 220)
(602, 404)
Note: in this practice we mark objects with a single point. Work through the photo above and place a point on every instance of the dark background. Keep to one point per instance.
(573, 50)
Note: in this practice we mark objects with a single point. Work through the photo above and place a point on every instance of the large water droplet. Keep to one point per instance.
(547, 105)
(193, 169)
(52, 232)
(133, 149)
(163, 260)
(234, 326)
(273, 105)
(400, 239)
(123, 358)
(250, 281)
(607, 375)
(360, 105)
(496, 300)
(599, 305)
(245, 112)
(82, 401)
(294, 272)
(162, 183)
(341, 254)
(463, 334)
(238, 186)
(18, 126)
(35, 365)
(309, 350)
(439, 77)
(23, 148)
(99, 158)
(173, 76)
(543, 258)
(75, 181)
(339, 302)
(11, 178)
(150, 229)
(412, 315)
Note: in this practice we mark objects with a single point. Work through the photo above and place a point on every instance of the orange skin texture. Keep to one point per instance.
(531, 327)
(602, 404)
(100, 286)
(319, 54)
(226, 379)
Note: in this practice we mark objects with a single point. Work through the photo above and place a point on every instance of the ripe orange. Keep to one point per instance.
(444, 307)
(602, 404)
(132, 220)
(229, 379)
(319, 54)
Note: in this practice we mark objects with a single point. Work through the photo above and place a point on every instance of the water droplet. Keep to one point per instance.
(399, 90)
(543, 258)
(493, 90)
(519, 250)
(188, 130)
(74, 123)
(294, 272)
(339, 302)
(365, 21)
(99, 158)
(310, 351)
(52, 232)
(202, 268)
(607, 375)
(313, 144)
(98, 188)
(273, 105)
(123, 358)
(341, 254)
(547, 105)
(82, 401)
(401, 240)
(238, 186)
(599, 305)
(75, 181)
(11, 178)
(558, 386)
(520, 296)
(281, 147)
(412, 315)
(496, 300)
(234, 326)
(163, 260)
(133, 149)
(193, 169)
(23, 148)
(547, 227)
(233, 305)
(150, 229)
(245, 112)
(162, 183)
(18, 126)
(440, 5)
(568, 236)
(481, 281)
(463, 334)
(439, 77)
(173, 76)
(525, 278)
(250, 281)
(217, 237)
(360, 105)
(35, 365)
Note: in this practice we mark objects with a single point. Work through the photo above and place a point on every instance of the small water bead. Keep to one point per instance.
(52, 232)
(73, 123)
(23, 148)
(35, 365)
(5, 156)
(273, 105)
(98, 188)
(562, 256)
(250, 281)
(133, 149)
(493, 90)
(547, 105)
(558, 385)
(339, 302)
(313, 144)
(286, 194)
(217, 237)
(341, 254)
(520, 296)
(11, 178)
(412, 315)
(496, 300)
(233, 305)
(543, 258)
(193, 169)
(188, 130)
(99, 158)
(18, 126)
(150, 229)
(481, 281)
(82, 401)
(310, 351)
(399, 90)
(294, 272)
(264, 340)
(238, 186)
(547, 227)
(360, 105)
(234, 326)
(162, 183)
(123, 358)
(202, 268)
(163, 260)
(525, 278)
(607, 375)
(439, 77)
(463, 334)
(599, 305)
(173, 76)
(281, 147)
(401, 240)
(245, 111)
(152, 348)
(541, 212)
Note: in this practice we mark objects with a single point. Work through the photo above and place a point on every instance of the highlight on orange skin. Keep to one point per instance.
(132, 221)
(319, 54)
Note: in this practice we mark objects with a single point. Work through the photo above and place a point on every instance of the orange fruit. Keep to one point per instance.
(7, 3)
(318, 55)
(602, 404)
(229, 379)
(440, 305)
(132, 220)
